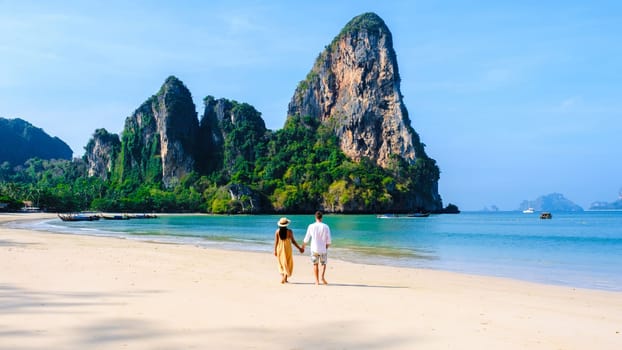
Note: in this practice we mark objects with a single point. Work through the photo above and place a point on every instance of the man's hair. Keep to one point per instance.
(318, 214)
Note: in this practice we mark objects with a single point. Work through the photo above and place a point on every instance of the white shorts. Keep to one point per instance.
(322, 257)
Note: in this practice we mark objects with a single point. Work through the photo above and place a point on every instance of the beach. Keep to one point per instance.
(61, 291)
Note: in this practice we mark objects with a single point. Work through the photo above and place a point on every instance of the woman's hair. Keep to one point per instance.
(283, 233)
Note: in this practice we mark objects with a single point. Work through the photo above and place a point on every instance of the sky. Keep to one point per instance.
(513, 99)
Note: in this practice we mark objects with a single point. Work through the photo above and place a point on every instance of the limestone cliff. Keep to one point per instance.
(347, 145)
(100, 153)
(231, 135)
(354, 87)
(211, 134)
(159, 139)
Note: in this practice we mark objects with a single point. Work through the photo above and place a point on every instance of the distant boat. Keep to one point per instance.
(385, 216)
(528, 211)
(78, 217)
(143, 216)
(418, 215)
(546, 215)
(405, 216)
(115, 217)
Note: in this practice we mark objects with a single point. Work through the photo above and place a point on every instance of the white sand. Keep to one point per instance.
(75, 292)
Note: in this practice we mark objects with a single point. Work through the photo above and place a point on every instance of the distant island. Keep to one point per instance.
(491, 208)
(551, 202)
(615, 205)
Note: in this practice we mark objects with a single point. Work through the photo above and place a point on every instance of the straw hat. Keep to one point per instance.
(283, 222)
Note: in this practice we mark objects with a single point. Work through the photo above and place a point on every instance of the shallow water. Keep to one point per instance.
(573, 249)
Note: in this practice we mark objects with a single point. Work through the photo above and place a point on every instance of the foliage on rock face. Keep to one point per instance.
(104, 136)
(299, 168)
(211, 142)
(100, 153)
(159, 139)
(368, 22)
(304, 170)
(244, 140)
(139, 159)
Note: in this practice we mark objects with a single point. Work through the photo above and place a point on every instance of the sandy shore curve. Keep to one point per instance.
(60, 291)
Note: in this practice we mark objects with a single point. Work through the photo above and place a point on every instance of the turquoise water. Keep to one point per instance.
(575, 249)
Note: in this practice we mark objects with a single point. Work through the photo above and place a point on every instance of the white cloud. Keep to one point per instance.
(569, 104)
(240, 24)
(498, 76)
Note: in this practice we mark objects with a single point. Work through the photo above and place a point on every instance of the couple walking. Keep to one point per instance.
(318, 233)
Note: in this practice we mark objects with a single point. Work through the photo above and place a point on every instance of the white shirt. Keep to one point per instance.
(319, 235)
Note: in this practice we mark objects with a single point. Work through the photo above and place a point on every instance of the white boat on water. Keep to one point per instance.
(528, 211)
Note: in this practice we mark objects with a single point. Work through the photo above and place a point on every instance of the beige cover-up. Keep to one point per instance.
(284, 256)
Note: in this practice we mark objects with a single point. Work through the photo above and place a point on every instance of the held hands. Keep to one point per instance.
(301, 249)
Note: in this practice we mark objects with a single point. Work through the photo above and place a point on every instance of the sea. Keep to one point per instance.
(580, 250)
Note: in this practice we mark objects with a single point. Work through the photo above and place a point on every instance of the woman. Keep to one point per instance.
(283, 239)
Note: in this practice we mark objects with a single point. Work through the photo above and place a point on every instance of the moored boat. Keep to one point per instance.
(78, 217)
(115, 217)
(418, 215)
(143, 216)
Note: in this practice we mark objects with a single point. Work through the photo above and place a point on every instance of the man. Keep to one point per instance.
(319, 235)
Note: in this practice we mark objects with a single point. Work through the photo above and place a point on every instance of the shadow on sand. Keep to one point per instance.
(349, 285)
(132, 331)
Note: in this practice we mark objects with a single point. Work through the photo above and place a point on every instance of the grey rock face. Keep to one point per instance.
(101, 152)
(354, 87)
(161, 135)
(177, 125)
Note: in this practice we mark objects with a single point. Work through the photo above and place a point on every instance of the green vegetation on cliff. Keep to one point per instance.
(228, 162)
(139, 160)
(369, 22)
(104, 136)
(299, 168)
(244, 141)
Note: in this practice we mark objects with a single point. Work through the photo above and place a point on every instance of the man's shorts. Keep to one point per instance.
(322, 257)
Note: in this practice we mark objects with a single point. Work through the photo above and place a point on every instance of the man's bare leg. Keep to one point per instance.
(323, 272)
(315, 273)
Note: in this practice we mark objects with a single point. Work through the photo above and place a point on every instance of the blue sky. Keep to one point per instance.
(513, 99)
